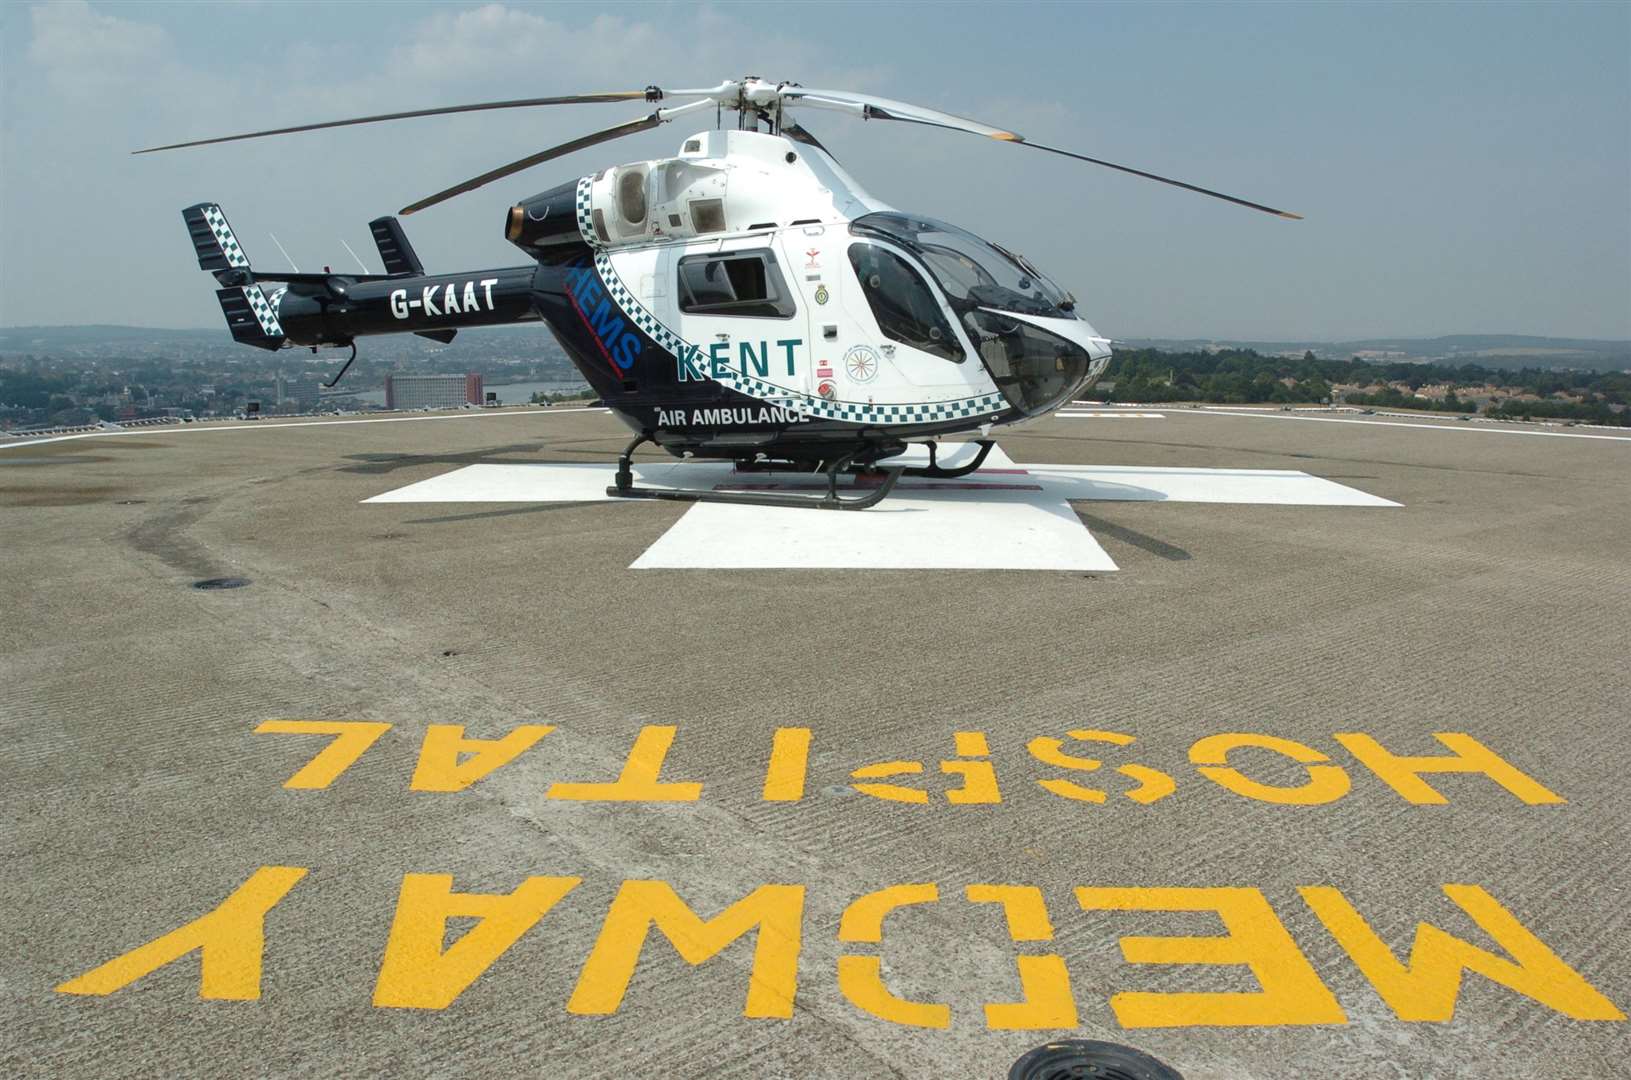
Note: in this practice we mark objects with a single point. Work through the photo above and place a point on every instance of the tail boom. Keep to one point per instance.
(274, 310)
(339, 309)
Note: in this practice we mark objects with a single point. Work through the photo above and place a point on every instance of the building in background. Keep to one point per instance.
(296, 395)
(432, 391)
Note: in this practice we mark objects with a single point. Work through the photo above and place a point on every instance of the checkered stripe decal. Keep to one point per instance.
(856, 412)
(265, 311)
(586, 221)
(223, 235)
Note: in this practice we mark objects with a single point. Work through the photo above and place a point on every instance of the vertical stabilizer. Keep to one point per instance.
(251, 315)
(394, 249)
(213, 240)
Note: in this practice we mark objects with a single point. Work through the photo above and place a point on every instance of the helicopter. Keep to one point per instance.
(744, 300)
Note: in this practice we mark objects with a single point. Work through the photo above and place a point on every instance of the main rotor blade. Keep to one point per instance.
(1164, 180)
(878, 108)
(644, 123)
(617, 131)
(793, 130)
(884, 109)
(651, 93)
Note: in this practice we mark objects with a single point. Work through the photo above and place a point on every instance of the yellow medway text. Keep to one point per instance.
(1427, 988)
(229, 941)
(450, 761)
(1291, 992)
(776, 912)
(417, 973)
(860, 978)
(419, 970)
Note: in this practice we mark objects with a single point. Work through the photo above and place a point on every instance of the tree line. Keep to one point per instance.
(1244, 376)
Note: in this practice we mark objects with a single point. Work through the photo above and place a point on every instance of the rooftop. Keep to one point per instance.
(811, 746)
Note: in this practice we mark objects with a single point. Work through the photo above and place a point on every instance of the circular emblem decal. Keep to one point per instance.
(827, 390)
(821, 294)
(861, 364)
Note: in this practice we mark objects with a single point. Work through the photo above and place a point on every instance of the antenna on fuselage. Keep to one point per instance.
(292, 266)
(360, 264)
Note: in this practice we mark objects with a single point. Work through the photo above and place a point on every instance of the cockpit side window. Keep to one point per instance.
(973, 272)
(746, 283)
(902, 302)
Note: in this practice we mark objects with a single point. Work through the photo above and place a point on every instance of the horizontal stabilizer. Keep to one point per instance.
(444, 336)
(251, 316)
(294, 277)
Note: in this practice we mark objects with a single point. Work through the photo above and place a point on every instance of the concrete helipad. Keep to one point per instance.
(1277, 747)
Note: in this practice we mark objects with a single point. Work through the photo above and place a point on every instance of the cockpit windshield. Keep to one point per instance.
(998, 297)
(973, 272)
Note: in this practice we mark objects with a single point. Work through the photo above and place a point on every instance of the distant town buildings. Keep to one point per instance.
(296, 395)
(53, 377)
(432, 391)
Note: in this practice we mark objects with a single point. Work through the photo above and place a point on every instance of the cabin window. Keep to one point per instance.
(747, 283)
(902, 302)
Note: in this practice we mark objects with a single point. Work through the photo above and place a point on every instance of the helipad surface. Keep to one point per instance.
(884, 778)
(1003, 516)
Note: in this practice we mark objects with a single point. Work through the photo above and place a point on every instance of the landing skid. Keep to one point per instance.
(625, 489)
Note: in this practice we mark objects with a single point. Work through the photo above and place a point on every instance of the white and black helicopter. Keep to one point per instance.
(744, 300)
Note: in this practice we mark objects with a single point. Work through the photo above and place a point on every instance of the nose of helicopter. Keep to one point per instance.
(1039, 377)
(1081, 332)
(1076, 331)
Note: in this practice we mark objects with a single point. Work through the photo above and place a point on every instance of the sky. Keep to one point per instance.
(1463, 168)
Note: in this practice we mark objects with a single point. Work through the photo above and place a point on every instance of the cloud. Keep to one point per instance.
(84, 52)
(83, 85)
(476, 44)
(96, 82)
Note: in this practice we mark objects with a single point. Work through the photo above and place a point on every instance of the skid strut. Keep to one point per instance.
(934, 470)
(349, 361)
(624, 488)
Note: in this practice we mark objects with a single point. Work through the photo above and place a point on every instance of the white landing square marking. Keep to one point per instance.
(1262, 487)
(990, 529)
(1110, 415)
(585, 482)
(1003, 517)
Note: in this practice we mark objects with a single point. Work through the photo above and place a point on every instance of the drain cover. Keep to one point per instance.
(1085, 1059)
(221, 583)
